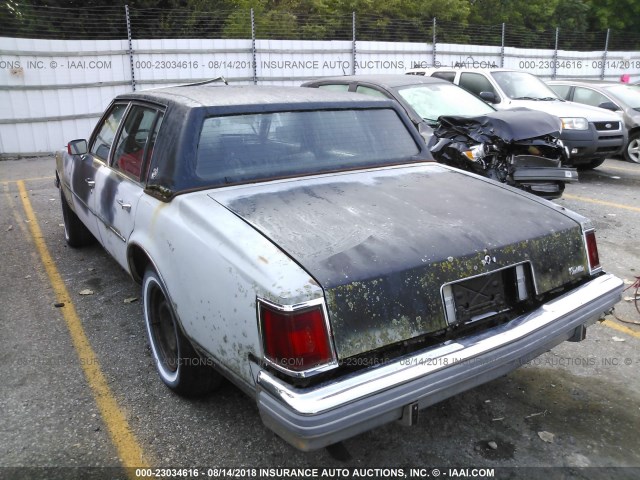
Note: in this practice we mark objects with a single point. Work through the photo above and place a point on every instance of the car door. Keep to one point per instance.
(84, 168)
(589, 96)
(477, 83)
(563, 91)
(119, 183)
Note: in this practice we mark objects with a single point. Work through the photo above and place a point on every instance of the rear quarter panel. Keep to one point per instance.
(214, 265)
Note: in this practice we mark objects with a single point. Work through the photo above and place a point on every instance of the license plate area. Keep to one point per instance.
(485, 296)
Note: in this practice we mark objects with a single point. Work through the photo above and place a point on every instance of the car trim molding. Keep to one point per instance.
(317, 302)
(314, 417)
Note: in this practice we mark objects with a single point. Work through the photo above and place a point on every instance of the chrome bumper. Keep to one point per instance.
(311, 418)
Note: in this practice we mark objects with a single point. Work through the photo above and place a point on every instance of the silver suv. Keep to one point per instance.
(590, 133)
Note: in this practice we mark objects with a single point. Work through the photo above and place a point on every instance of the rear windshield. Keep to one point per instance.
(243, 148)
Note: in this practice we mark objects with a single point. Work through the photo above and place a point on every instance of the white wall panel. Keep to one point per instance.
(47, 87)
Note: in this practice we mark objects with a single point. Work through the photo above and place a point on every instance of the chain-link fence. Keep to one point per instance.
(60, 67)
(117, 22)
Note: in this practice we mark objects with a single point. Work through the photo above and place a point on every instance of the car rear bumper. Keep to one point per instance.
(314, 417)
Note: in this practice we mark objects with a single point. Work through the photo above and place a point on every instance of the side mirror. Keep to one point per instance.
(609, 106)
(77, 147)
(489, 97)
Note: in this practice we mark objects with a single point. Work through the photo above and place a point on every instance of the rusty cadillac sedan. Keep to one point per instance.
(304, 245)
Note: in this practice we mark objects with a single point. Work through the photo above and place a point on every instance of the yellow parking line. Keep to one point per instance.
(602, 202)
(7, 182)
(621, 328)
(124, 439)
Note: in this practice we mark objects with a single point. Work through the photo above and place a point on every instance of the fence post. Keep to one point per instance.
(253, 48)
(433, 49)
(502, 47)
(604, 55)
(133, 75)
(555, 55)
(353, 45)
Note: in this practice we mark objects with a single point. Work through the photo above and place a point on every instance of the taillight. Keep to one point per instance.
(592, 250)
(295, 340)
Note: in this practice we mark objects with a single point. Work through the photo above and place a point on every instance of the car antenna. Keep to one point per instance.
(213, 80)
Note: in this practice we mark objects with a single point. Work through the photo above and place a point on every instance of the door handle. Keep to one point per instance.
(90, 182)
(124, 206)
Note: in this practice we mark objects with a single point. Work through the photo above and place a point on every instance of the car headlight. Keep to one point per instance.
(574, 123)
(475, 153)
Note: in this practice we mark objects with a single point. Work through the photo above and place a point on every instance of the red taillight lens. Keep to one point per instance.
(592, 250)
(295, 340)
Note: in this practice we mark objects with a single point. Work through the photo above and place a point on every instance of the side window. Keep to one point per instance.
(561, 90)
(130, 147)
(152, 144)
(370, 91)
(476, 83)
(588, 96)
(102, 142)
(335, 88)
(448, 76)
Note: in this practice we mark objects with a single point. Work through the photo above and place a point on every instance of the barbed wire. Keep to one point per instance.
(110, 22)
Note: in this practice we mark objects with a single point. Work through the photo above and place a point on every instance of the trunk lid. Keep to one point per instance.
(382, 243)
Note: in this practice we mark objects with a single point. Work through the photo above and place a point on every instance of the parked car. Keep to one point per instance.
(590, 133)
(620, 98)
(520, 148)
(301, 244)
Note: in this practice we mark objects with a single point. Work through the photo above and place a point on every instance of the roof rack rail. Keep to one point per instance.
(205, 82)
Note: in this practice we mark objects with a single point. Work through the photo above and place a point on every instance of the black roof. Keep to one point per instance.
(186, 107)
(384, 80)
(243, 98)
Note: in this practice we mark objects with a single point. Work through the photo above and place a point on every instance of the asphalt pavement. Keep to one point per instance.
(80, 397)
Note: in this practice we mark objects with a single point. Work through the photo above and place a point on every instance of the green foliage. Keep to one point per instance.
(530, 23)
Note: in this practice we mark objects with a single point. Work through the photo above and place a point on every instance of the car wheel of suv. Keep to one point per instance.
(178, 364)
(632, 152)
(591, 165)
(75, 233)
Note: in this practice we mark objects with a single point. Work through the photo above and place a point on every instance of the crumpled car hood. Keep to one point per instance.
(506, 125)
(381, 243)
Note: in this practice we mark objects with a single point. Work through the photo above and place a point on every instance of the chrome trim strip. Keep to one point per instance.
(603, 291)
(115, 231)
(317, 302)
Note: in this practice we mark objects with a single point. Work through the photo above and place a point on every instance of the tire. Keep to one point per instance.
(178, 364)
(632, 151)
(75, 233)
(591, 165)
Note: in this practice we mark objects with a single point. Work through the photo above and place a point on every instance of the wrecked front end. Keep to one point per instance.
(518, 147)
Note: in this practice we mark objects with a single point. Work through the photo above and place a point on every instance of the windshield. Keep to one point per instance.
(628, 94)
(434, 100)
(243, 148)
(523, 86)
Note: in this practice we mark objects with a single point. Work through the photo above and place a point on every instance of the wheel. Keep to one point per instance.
(591, 165)
(75, 233)
(632, 152)
(178, 364)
